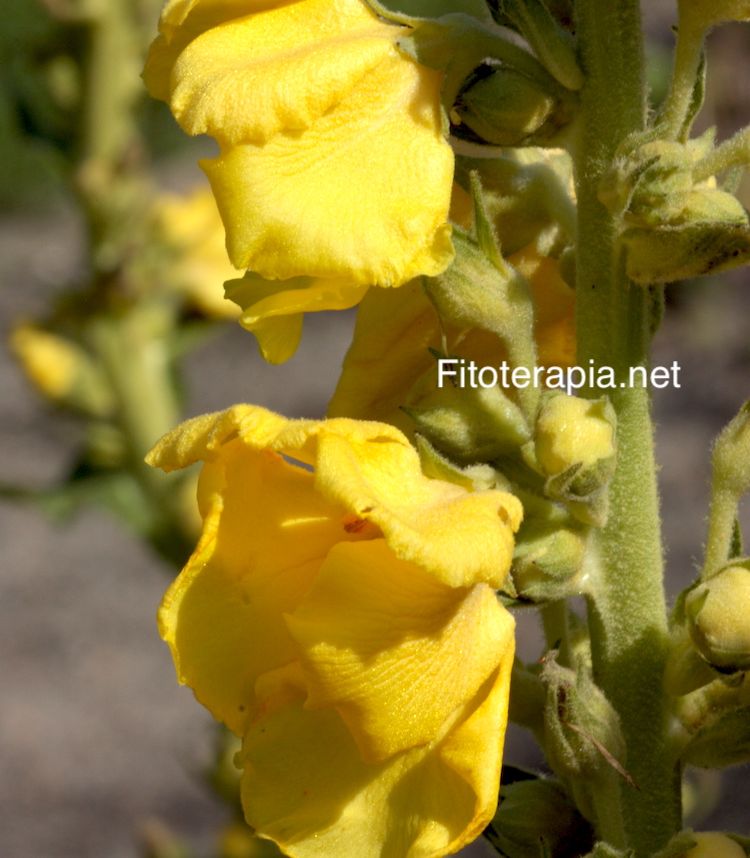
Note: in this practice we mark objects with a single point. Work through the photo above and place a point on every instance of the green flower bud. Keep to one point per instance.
(685, 251)
(731, 456)
(582, 733)
(470, 424)
(650, 183)
(714, 844)
(504, 107)
(535, 808)
(718, 616)
(547, 563)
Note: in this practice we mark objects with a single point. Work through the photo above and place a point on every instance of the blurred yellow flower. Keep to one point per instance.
(191, 226)
(333, 164)
(50, 362)
(339, 612)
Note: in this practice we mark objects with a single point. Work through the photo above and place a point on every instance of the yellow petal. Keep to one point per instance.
(273, 310)
(264, 538)
(393, 649)
(331, 201)
(554, 307)
(370, 469)
(463, 538)
(180, 22)
(388, 354)
(276, 70)
(306, 786)
(265, 534)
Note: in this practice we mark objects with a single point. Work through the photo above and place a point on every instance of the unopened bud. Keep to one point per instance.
(573, 431)
(470, 424)
(718, 615)
(714, 844)
(583, 736)
(504, 107)
(547, 563)
(534, 808)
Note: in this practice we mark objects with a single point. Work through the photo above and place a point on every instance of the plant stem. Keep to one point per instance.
(687, 60)
(627, 605)
(721, 522)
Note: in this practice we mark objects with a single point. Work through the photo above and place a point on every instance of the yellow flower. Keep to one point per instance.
(191, 226)
(333, 165)
(339, 613)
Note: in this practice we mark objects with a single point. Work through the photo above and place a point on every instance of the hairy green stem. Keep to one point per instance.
(721, 523)
(627, 605)
(687, 60)
(556, 624)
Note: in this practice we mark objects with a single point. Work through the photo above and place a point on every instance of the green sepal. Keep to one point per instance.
(722, 743)
(472, 478)
(553, 45)
(456, 44)
(678, 846)
(473, 293)
(683, 252)
(536, 817)
(696, 100)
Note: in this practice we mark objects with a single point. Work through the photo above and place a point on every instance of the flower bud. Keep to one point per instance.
(573, 431)
(714, 844)
(731, 456)
(546, 563)
(470, 424)
(575, 449)
(505, 107)
(583, 736)
(532, 808)
(718, 615)
(649, 182)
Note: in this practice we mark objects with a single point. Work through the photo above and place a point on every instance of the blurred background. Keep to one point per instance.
(100, 748)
